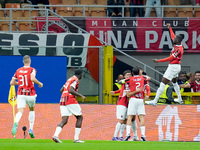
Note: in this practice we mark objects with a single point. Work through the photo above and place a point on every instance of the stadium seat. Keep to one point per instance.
(69, 2)
(64, 11)
(101, 2)
(78, 11)
(15, 12)
(54, 2)
(197, 12)
(97, 12)
(87, 2)
(170, 12)
(24, 24)
(31, 13)
(2, 14)
(5, 24)
(173, 2)
(185, 12)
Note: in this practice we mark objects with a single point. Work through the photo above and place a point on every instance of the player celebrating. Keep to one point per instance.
(26, 93)
(173, 69)
(121, 111)
(136, 102)
(69, 106)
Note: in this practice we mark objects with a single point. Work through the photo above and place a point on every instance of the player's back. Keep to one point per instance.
(26, 86)
(136, 82)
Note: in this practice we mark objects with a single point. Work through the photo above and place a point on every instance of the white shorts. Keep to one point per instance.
(172, 71)
(121, 112)
(68, 110)
(136, 107)
(22, 100)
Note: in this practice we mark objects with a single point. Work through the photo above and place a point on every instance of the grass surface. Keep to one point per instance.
(37, 144)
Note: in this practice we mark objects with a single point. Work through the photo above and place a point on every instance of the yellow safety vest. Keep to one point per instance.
(118, 85)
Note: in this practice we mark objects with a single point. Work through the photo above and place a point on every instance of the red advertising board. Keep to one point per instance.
(163, 122)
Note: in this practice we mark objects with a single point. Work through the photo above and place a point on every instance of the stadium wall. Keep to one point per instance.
(169, 122)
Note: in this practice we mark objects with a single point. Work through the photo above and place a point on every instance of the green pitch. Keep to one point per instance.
(36, 144)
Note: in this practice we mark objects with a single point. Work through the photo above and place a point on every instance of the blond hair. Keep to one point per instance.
(26, 59)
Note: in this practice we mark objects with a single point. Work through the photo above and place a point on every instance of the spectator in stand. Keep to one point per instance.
(3, 2)
(188, 2)
(115, 11)
(197, 2)
(195, 85)
(182, 79)
(190, 79)
(116, 85)
(134, 9)
(153, 3)
(36, 2)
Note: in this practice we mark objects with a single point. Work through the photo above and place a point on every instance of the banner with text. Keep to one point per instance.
(47, 45)
(139, 34)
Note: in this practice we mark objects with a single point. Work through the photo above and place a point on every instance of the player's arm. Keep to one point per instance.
(115, 92)
(13, 81)
(129, 93)
(185, 85)
(73, 92)
(171, 31)
(170, 58)
(33, 79)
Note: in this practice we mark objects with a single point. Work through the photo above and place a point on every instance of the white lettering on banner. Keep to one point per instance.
(167, 42)
(164, 121)
(124, 24)
(186, 23)
(197, 138)
(132, 40)
(76, 56)
(153, 23)
(94, 23)
(135, 23)
(148, 41)
(195, 39)
(111, 37)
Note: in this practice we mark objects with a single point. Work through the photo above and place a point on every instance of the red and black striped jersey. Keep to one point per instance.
(135, 82)
(67, 98)
(25, 85)
(195, 86)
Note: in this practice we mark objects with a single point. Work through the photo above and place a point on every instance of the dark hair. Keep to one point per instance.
(182, 72)
(198, 71)
(136, 70)
(126, 71)
(78, 72)
(179, 37)
(144, 73)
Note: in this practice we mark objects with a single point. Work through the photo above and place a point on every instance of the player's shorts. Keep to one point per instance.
(121, 112)
(22, 100)
(68, 110)
(172, 71)
(136, 107)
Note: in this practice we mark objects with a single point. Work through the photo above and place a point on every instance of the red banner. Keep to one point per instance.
(135, 34)
(163, 122)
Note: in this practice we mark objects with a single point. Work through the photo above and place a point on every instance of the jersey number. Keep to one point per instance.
(23, 79)
(138, 85)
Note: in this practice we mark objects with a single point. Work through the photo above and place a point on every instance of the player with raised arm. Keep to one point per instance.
(25, 93)
(136, 102)
(173, 69)
(69, 106)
